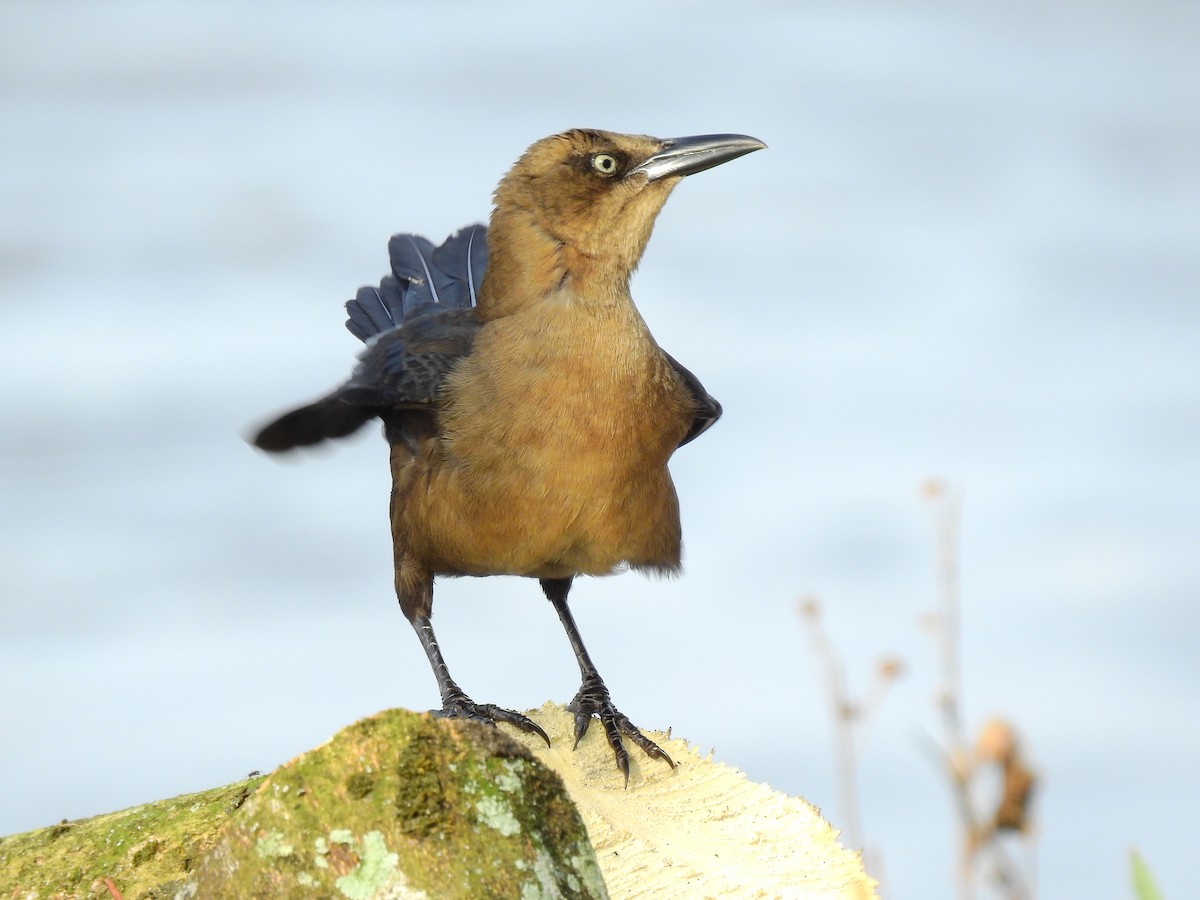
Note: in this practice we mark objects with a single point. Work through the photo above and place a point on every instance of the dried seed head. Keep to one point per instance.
(997, 742)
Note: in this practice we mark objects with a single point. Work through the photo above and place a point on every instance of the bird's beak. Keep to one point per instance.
(689, 155)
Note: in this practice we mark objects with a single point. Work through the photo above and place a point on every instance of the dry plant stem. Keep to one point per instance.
(946, 516)
(976, 839)
(844, 717)
(947, 509)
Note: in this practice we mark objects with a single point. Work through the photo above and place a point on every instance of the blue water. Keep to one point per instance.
(972, 251)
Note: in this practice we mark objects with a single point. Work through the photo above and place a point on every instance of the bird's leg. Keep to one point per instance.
(455, 703)
(593, 698)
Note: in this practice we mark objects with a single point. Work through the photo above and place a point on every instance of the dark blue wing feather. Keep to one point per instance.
(424, 279)
(376, 309)
(412, 264)
(458, 266)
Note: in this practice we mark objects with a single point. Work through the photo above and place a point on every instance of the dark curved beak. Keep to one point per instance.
(689, 155)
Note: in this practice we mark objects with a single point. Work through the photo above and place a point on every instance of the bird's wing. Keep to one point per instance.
(417, 324)
(424, 279)
(420, 320)
(404, 367)
(707, 409)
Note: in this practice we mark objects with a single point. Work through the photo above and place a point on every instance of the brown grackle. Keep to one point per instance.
(529, 410)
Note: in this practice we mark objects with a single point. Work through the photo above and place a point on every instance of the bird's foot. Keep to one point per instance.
(463, 707)
(593, 700)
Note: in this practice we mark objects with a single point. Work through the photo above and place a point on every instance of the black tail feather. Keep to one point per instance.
(330, 417)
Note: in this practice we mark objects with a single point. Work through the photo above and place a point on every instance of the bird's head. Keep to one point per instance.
(591, 197)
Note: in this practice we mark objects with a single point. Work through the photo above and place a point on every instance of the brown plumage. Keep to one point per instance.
(530, 422)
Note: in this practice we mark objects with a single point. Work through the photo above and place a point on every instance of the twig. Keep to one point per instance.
(844, 715)
(997, 743)
(850, 719)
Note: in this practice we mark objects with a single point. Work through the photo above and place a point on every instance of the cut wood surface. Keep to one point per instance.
(700, 830)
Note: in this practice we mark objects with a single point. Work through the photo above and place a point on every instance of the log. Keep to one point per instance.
(403, 804)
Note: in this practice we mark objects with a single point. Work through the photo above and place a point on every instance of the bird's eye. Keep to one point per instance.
(604, 163)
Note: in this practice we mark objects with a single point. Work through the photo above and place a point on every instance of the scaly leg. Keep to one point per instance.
(593, 698)
(455, 703)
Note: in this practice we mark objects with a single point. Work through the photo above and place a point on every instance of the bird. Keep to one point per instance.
(529, 411)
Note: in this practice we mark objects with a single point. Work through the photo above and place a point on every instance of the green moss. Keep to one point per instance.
(359, 785)
(404, 802)
(396, 805)
(145, 851)
(424, 793)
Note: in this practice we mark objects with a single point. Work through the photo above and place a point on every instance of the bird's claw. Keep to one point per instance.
(464, 708)
(593, 700)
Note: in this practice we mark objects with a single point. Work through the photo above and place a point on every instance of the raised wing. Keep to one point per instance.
(417, 324)
(424, 279)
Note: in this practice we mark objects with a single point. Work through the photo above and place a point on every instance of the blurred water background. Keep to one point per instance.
(970, 252)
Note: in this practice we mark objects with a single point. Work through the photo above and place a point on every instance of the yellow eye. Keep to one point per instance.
(604, 163)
